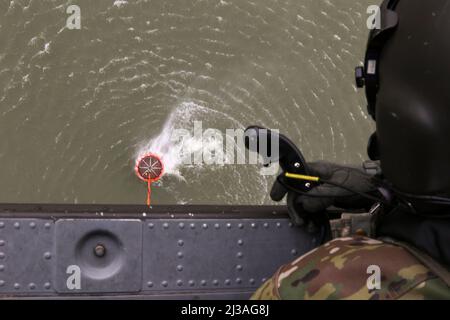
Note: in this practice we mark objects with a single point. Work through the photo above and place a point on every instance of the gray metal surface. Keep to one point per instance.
(215, 254)
(144, 258)
(26, 255)
(118, 270)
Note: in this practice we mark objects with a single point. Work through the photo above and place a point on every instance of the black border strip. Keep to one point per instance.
(99, 211)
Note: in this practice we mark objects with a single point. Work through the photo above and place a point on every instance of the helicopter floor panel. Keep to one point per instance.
(176, 252)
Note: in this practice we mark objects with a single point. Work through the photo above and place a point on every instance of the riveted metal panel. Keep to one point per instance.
(115, 268)
(222, 252)
(26, 256)
(217, 254)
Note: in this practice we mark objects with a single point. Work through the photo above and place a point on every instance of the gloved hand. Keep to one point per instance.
(308, 209)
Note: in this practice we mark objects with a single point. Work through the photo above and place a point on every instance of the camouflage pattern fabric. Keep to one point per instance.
(338, 270)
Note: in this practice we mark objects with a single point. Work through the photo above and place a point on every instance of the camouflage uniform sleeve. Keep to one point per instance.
(433, 289)
(339, 270)
(267, 291)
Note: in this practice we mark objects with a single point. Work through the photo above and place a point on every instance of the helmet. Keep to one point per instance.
(406, 74)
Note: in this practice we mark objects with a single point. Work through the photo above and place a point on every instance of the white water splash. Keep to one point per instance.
(120, 3)
(178, 154)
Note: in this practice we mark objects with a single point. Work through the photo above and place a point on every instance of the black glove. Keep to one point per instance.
(308, 209)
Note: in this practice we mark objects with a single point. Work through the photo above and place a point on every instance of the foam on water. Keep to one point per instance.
(176, 153)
